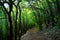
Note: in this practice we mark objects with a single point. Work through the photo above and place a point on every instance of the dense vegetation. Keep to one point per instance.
(17, 16)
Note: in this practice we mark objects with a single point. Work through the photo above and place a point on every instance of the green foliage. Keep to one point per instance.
(38, 13)
(2, 23)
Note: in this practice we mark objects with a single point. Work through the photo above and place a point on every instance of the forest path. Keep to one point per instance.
(43, 35)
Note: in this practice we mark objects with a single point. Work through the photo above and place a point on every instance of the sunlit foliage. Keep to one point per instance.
(26, 14)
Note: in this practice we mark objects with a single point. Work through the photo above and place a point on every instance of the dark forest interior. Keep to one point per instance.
(29, 19)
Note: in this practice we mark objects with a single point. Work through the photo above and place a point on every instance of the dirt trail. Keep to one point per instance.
(43, 35)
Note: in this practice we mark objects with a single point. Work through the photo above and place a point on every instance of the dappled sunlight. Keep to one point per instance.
(29, 20)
